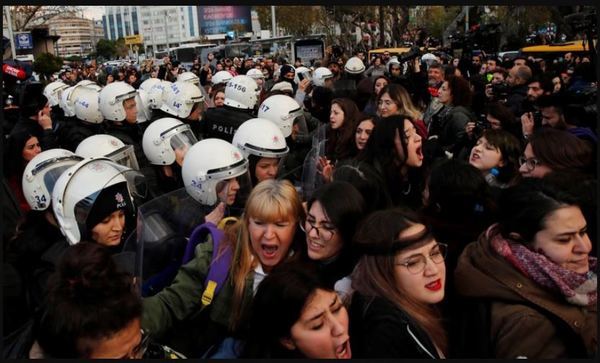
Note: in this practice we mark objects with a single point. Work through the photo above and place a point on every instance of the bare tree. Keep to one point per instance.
(27, 16)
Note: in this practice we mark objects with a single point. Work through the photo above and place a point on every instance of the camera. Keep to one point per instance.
(500, 90)
(414, 52)
(481, 124)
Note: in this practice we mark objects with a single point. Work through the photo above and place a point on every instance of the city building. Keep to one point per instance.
(78, 36)
(159, 26)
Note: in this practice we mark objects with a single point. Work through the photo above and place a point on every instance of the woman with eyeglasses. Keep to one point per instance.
(550, 149)
(334, 211)
(397, 283)
(529, 282)
(92, 311)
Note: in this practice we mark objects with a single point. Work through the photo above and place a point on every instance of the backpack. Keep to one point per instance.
(220, 264)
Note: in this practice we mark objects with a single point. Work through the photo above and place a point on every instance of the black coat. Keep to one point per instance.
(35, 253)
(378, 329)
(223, 122)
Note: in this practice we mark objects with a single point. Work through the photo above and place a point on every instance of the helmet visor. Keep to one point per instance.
(125, 156)
(234, 192)
(181, 141)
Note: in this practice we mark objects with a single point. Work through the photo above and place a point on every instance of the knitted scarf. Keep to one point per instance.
(578, 289)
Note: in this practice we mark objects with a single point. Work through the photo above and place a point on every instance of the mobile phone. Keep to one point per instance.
(301, 76)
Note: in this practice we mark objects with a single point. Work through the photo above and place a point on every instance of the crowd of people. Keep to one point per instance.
(431, 207)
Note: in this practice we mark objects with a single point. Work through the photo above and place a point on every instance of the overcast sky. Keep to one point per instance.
(93, 12)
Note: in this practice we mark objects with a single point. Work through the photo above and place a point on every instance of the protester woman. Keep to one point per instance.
(397, 283)
(364, 128)
(534, 272)
(260, 241)
(333, 212)
(378, 84)
(92, 311)
(393, 99)
(550, 149)
(496, 154)
(394, 151)
(343, 117)
(448, 125)
(295, 315)
(20, 148)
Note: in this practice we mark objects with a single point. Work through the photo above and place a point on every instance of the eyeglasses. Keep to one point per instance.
(531, 163)
(416, 264)
(139, 350)
(325, 233)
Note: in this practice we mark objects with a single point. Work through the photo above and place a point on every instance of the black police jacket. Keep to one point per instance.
(223, 122)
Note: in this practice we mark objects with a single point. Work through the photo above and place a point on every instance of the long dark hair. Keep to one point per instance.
(340, 143)
(381, 153)
(89, 299)
(277, 306)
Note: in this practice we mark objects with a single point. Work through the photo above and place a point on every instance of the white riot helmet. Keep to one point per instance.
(189, 77)
(260, 137)
(89, 84)
(53, 91)
(241, 92)
(209, 162)
(305, 73)
(255, 74)
(155, 94)
(354, 65)
(320, 75)
(429, 58)
(148, 84)
(142, 103)
(103, 145)
(41, 174)
(111, 100)
(282, 110)
(88, 191)
(67, 99)
(221, 77)
(163, 137)
(179, 99)
(86, 106)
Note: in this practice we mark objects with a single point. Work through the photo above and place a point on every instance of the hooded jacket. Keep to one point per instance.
(526, 319)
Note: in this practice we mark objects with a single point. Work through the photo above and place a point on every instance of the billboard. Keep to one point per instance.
(222, 19)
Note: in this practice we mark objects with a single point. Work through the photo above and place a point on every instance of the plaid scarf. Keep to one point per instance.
(578, 289)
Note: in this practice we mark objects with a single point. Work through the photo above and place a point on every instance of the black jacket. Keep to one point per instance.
(34, 253)
(516, 100)
(378, 329)
(76, 131)
(223, 122)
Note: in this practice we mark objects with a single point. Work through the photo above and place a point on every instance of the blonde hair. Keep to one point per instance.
(402, 99)
(270, 201)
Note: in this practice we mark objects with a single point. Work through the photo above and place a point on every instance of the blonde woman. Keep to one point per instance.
(264, 237)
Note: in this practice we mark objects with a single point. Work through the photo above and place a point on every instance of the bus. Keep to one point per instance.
(184, 53)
